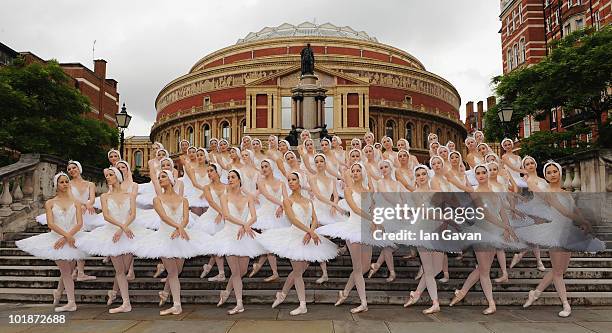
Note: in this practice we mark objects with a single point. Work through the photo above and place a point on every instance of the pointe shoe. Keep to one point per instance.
(217, 278)
(489, 310)
(175, 310)
(163, 280)
(567, 310)
(70, 307)
(541, 266)
(533, 296)
(322, 279)
(112, 295)
(341, 298)
(459, 295)
(130, 275)
(419, 274)
(256, 268)
(414, 297)
(299, 310)
(223, 296)
(444, 278)
(280, 298)
(237, 309)
(271, 278)
(85, 277)
(160, 269)
(432, 309)
(121, 309)
(359, 309)
(373, 269)
(205, 270)
(515, 260)
(56, 297)
(391, 277)
(106, 260)
(501, 279)
(163, 297)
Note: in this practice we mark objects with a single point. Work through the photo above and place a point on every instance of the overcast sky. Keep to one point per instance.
(149, 43)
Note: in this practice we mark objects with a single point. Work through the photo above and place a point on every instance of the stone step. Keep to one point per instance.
(374, 284)
(314, 271)
(312, 296)
(339, 261)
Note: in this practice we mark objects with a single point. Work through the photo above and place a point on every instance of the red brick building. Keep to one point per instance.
(101, 91)
(474, 119)
(529, 27)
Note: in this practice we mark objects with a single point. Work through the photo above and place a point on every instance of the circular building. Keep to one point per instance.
(245, 89)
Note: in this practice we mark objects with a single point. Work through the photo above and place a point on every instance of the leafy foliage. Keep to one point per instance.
(41, 112)
(546, 145)
(575, 75)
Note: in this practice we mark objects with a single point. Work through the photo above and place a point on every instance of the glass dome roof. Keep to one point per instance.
(306, 29)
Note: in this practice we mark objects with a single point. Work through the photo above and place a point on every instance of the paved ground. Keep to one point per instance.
(320, 319)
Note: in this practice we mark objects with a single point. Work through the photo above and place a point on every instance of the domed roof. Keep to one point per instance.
(306, 29)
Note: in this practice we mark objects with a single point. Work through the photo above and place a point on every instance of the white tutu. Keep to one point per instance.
(92, 221)
(145, 200)
(100, 241)
(289, 242)
(471, 176)
(42, 246)
(226, 242)
(560, 232)
(266, 212)
(323, 211)
(42, 219)
(206, 221)
(159, 244)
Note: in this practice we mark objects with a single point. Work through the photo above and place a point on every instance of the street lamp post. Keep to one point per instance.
(505, 115)
(123, 121)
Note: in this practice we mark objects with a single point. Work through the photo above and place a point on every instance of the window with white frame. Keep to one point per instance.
(329, 112)
(513, 19)
(523, 50)
(567, 29)
(286, 112)
(579, 24)
(558, 16)
(526, 127)
(515, 54)
(520, 13)
(596, 18)
(509, 59)
(508, 25)
(570, 3)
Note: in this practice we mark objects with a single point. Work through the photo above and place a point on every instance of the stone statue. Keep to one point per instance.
(307, 60)
(324, 134)
(292, 138)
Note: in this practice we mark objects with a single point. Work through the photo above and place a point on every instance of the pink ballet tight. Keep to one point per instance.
(66, 267)
(271, 259)
(386, 256)
(122, 265)
(560, 261)
(432, 262)
(361, 256)
(295, 278)
(482, 273)
(239, 267)
(174, 266)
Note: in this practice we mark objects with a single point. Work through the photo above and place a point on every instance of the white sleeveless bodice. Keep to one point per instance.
(301, 214)
(175, 215)
(65, 219)
(119, 212)
(81, 197)
(241, 215)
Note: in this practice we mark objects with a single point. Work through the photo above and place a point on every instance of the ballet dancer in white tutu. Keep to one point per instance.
(172, 242)
(118, 237)
(198, 177)
(299, 243)
(561, 235)
(211, 221)
(237, 239)
(65, 220)
(354, 233)
(270, 213)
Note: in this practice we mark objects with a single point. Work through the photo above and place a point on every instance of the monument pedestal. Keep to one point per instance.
(309, 98)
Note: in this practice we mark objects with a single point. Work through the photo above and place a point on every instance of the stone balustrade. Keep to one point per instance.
(28, 183)
(588, 171)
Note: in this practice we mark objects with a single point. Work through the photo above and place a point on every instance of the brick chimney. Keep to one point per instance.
(491, 102)
(469, 108)
(480, 111)
(100, 68)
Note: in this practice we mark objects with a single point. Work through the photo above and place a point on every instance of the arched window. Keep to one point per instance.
(167, 140)
(205, 135)
(225, 131)
(177, 141)
(409, 132)
(372, 126)
(448, 137)
(390, 129)
(439, 134)
(138, 159)
(425, 134)
(523, 50)
(190, 135)
(242, 128)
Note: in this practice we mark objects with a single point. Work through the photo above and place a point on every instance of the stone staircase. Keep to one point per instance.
(24, 278)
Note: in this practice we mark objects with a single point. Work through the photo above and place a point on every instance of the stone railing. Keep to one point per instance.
(28, 183)
(588, 171)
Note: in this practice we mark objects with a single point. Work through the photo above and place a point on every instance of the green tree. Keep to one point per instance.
(41, 112)
(576, 75)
